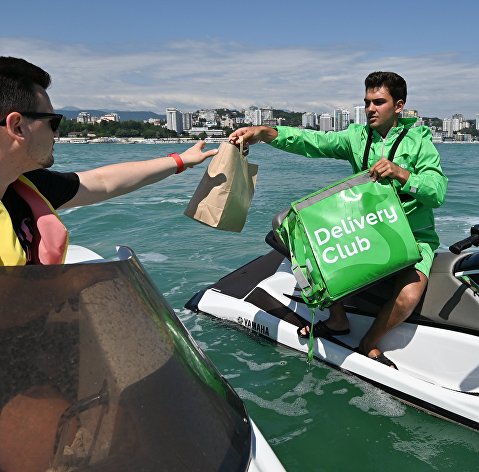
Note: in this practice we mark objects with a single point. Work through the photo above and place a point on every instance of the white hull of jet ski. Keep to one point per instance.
(438, 366)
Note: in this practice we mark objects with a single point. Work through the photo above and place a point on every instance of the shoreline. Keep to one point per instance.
(135, 140)
(177, 141)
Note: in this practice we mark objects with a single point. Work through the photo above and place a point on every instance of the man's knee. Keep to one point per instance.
(405, 304)
(409, 296)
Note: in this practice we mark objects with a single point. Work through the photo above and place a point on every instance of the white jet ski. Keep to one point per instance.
(141, 393)
(436, 349)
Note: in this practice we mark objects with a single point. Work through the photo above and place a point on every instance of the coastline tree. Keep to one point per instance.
(119, 129)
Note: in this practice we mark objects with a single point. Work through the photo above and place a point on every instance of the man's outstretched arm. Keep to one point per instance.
(110, 181)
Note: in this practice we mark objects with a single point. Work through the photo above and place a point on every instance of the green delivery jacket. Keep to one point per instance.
(425, 188)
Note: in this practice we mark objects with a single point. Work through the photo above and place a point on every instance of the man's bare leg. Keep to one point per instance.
(337, 320)
(337, 317)
(408, 289)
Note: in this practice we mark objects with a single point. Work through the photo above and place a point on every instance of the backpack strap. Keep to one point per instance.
(367, 149)
(392, 152)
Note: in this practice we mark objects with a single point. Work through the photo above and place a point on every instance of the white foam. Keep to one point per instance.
(152, 257)
(373, 400)
(173, 200)
(230, 376)
(278, 405)
(287, 437)
(427, 440)
(176, 289)
(254, 366)
(377, 403)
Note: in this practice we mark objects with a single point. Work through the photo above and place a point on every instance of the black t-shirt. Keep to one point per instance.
(57, 187)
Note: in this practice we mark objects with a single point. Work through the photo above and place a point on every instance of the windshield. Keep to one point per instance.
(135, 391)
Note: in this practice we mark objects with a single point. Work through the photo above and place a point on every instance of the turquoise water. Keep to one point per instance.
(316, 419)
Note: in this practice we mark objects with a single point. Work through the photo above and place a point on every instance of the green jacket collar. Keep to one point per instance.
(402, 123)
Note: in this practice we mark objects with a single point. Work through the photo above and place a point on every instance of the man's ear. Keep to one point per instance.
(399, 106)
(14, 125)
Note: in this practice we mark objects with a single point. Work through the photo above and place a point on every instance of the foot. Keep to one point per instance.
(322, 329)
(384, 360)
(378, 356)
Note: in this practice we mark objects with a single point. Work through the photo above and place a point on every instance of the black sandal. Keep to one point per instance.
(320, 329)
(382, 359)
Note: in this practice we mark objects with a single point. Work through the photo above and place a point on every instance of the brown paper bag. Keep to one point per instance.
(224, 194)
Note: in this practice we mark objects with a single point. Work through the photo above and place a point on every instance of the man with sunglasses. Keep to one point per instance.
(28, 127)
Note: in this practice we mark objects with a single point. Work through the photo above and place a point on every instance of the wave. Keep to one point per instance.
(152, 257)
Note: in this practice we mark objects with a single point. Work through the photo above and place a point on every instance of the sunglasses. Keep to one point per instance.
(54, 118)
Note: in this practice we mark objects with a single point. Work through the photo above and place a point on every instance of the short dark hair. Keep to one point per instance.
(393, 82)
(17, 85)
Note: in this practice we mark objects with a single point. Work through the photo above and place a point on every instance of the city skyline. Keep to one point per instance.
(356, 111)
(149, 56)
(218, 123)
(337, 121)
(352, 110)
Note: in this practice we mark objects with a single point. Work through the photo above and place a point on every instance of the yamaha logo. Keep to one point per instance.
(253, 326)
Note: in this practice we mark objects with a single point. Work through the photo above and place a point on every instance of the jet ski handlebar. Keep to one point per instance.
(472, 240)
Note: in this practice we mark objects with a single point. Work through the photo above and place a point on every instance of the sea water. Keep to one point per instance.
(317, 418)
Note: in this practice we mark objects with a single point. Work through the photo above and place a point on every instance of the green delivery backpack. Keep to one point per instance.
(345, 237)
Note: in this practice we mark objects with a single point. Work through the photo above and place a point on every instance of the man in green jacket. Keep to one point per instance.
(416, 173)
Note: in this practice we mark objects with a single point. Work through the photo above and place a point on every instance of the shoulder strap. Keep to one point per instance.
(392, 152)
(367, 149)
(50, 238)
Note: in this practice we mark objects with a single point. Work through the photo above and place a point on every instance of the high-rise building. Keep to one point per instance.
(360, 115)
(447, 127)
(341, 119)
(110, 117)
(457, 122)
(174, 120)
(325, 122)
(84, 117)
(309, 120)
(477, 121)
(187, 120)
(337, 120)
(266, 114)
(257, 117)
(249, 114)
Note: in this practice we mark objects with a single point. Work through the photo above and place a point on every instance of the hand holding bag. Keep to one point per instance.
(224, 194)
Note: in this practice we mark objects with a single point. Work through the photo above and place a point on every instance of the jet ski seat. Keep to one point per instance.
(272, 238)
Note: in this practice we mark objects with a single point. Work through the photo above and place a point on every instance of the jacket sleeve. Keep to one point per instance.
(427, 183)
(313, 143)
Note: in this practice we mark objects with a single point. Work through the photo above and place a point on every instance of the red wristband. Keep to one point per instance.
(179, 162)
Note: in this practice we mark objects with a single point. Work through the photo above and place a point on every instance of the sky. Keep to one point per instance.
(301, 56)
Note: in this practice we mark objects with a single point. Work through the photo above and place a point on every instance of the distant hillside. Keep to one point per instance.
(72, 113)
